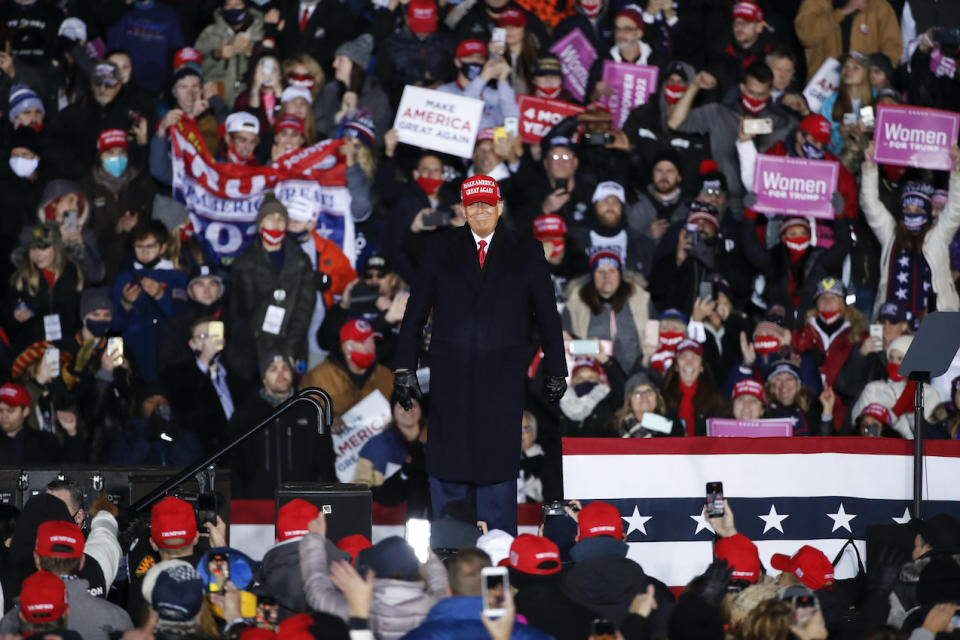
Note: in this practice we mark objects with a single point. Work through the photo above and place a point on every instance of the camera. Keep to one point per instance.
(554, 509)
(439, 217)
(363, 298)
(597, 139)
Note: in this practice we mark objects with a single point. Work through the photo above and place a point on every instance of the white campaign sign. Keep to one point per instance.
(439, 121)
(823, 84)
(364, 420)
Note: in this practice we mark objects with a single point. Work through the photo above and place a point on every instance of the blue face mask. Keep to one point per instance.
(583, 388)
(115, 165)
(811, 152)
(472, 70)
(234, 16)
(300, 236)
(97, 327)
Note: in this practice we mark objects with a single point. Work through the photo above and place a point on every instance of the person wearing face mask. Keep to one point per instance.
(475, 74)
(146, 295)
(121, 196)
(22, 187)
(548, 79)
(276, 453)
(351, 373)
(153, 436)
(760, 349)
(151, 32)
(595, 21)
(914, 262)
(897, 392)
(689, 390)
(481, 19)
(227, 44)
(566, 260)
(272, 286)
(65, 205)
(47, 281)
(85, 352)
(832, 331)
(723, 122)
(589, 403)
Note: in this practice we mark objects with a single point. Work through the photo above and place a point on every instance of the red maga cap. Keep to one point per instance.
(599, 518)
(173, 523)
(549, 226)
(480, 188)
(110, 139)
(289, 121)
(742, 555)
(185, 55)
(689, 344)
(749, 387)
(14, 395)
(512, 18)
(534, 555)
(878, 411)
(43, 598)
(809, 564)
(469, 47)
(422, 16)
(748, 11)
(357, 330)
(59, 539)
(817, 126)
(292, 518)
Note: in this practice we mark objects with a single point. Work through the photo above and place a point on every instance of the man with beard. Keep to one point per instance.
(747, 46)
(662, 202)
(606, 226)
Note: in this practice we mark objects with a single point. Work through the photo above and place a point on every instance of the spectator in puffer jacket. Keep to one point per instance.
(401, 599)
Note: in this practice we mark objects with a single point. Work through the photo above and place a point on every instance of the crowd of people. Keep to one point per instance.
(125, 338)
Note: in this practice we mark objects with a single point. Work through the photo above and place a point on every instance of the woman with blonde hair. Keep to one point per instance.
(302, 70)
(297, 100)
(842, 108)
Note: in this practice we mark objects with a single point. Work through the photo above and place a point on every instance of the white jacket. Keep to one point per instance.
(936, 244)
(886, 392)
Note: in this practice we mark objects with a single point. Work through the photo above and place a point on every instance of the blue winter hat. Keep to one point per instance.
(22, 98)
(390, 558)
(673, 314)
(361, 127)
(178, 593)
(611, 256)
(917, 194)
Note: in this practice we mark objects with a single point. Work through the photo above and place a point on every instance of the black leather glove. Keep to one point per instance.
(405, 387)
(553, 388)
(716, 579)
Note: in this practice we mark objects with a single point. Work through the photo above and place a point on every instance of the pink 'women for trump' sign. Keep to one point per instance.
(632, 85)
(915, 137)
(576, 57)
(795, 186)
(766, 428)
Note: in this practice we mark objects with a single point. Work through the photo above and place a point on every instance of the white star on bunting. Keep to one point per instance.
(773, 520)
(905, 518)
(841, 519)
(636, 522)
(702, 524)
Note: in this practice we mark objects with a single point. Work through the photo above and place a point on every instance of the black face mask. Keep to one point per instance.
(493, 10)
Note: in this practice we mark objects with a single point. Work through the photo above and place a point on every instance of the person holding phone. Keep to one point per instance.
(226, 45)
(494, 284)
(64, 204)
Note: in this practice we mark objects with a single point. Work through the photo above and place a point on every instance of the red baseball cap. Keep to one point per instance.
(689, 344)
(357, 330)
(59, 539)
(173, 523)
(817, 126)
(534, 555)
(485, 134)
(748, 11)
(292, 518)
(512, 18)
(111, 139)
(809, 564)
(422, 16)
(14, 395)
(742, 555)
(878, 411)
(480, 188)
(749, 387)
(549, 226)
(185, 55)
(43, 598)
(469, 47)
(354, 544)
(289, 121)
(599, 518)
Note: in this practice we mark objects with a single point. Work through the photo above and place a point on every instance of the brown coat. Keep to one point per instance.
(332, 378)
(875, 30)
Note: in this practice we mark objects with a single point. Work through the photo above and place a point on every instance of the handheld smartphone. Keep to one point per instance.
(758, 126)
(70, 220)
(215, 329)
(715, 500)
(876, 330)
(657, 423)
(115, 350)
(706, 291)
(584, 347)
(866, 116)
(804, 608)
(494, 582)
(602, 629)
(418, 537)
(206, 510)
(218, 567)
(955, 622)
(651, 333)
(499, 134)
(438, 218)
(51, 361)
(268, 66)
(268, 612)
(693, 233)
(512, 125)
(850, 118)
(498, 41)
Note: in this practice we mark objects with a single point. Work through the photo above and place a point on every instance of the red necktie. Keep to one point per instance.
(303, 18)
(482, 252)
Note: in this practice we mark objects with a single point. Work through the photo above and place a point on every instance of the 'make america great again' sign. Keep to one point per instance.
(915, 137)
(795, 186)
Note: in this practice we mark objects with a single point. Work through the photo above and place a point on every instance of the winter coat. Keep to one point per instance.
(833, 351)
(372, 98)
(887, 392)
(332, 376)
(279, 574)
(62, 299)
(151, 34)
(138, 444)
(498, 103)
(195, 402)
(819, 24)
(92, 617)
(87, 254)
(398, 605)
(72, 151)
(406, 59)
(109, 199)
(331, 24)
(255, 286)
(233, 72)
(936, 243)
(458, 617)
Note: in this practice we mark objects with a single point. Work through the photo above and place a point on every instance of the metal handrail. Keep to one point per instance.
(308, 395)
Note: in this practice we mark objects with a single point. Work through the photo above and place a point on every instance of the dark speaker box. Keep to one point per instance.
(348, 507)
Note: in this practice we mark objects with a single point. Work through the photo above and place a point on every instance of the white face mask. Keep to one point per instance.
(24, 167)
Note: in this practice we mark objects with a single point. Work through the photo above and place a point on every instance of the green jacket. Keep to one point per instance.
(232, 72)
(255, 286)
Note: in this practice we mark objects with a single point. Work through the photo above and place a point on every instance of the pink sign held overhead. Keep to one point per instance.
(576, 57)
(632, 85)
(915, 136)
(795, 186)
(732, 428)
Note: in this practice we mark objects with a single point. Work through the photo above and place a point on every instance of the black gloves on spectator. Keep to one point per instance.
(553, 388)
(885, 570)
(405, 387)
(716, 579)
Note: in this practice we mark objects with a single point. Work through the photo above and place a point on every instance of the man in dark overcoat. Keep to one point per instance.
(489, 289)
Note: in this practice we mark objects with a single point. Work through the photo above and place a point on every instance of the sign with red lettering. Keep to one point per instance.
(795, 186)
(915, 137)
(443, 122)
(823, 84)
(362, 422)
(539, 115)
